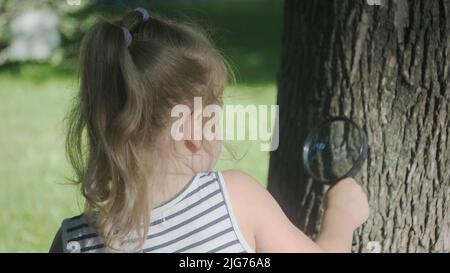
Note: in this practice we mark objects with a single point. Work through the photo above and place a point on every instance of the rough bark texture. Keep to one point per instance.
(387, 68)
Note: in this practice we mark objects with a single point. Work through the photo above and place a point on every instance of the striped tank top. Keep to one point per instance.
(198, 219)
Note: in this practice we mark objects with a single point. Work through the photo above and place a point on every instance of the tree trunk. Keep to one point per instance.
(386, 67)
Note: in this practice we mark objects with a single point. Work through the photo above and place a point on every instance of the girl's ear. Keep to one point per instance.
(193, 145)
(194, 126)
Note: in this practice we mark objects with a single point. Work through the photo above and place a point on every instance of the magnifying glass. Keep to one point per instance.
(334, 150)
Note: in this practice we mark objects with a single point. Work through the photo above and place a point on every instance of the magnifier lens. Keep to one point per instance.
(334, 149)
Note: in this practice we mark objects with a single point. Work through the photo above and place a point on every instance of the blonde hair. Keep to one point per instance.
(124, 103)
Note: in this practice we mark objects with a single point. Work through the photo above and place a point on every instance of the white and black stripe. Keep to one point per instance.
(198, 219)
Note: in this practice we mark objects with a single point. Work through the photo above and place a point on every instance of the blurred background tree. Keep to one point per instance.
(249, 31)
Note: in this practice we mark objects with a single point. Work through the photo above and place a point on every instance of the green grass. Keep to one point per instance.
(32, 162)
(247, 154)
(34, 194)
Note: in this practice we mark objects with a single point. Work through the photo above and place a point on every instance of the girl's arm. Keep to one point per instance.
(271, 230)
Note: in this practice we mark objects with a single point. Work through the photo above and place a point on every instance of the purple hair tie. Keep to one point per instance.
(126, 33)
(144, 12)
(127, 36)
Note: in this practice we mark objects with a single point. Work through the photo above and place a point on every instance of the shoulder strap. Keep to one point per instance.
(233, 219)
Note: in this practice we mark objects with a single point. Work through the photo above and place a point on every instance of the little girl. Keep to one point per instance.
(145, 191)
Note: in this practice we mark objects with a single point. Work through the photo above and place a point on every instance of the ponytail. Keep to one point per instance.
(110, 110)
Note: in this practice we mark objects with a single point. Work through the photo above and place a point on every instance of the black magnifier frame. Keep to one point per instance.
(359, 160)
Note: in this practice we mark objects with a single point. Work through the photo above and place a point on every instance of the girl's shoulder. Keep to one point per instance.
(249, 200)
(243, 185)
(236, 182)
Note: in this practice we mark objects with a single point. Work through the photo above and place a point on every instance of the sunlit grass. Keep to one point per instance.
(248, 156)
(32, 162)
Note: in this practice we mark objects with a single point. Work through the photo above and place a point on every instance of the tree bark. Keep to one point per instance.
(386, 67)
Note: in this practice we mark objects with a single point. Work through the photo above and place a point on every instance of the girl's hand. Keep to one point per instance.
(347, 201)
